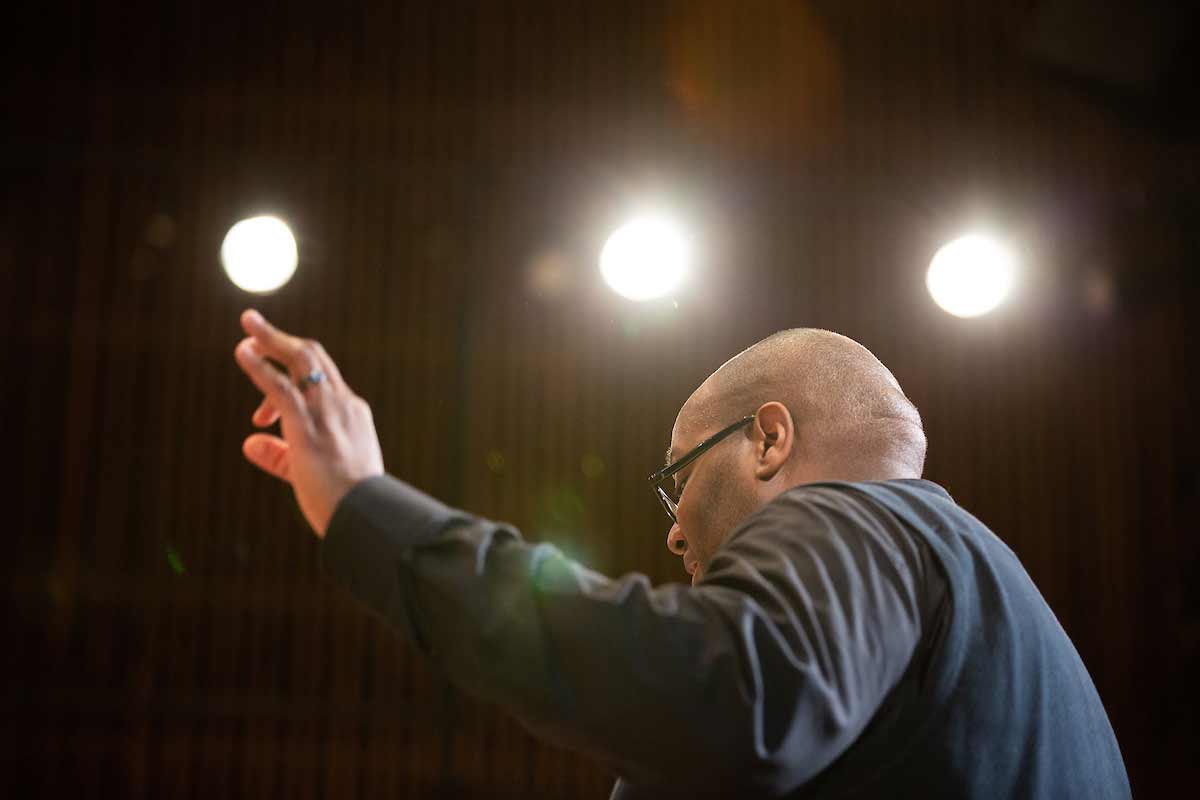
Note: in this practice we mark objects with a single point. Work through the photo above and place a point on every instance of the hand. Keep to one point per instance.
(329, 442)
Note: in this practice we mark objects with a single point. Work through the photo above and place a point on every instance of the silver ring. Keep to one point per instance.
(311, 379)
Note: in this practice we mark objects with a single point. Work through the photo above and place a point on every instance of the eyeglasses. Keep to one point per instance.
(668, 500)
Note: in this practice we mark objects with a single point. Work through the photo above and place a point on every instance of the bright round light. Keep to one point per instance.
(644, 259)
(259, 254)
(970, 276)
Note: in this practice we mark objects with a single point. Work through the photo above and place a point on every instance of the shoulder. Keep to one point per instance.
(872, 494)
(859, 525)
(846, 507)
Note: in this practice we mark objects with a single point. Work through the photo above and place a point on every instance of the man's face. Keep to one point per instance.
(717, 493)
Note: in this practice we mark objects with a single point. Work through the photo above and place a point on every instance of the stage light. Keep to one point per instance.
(970, 276)
(259, 254)
(645, 258)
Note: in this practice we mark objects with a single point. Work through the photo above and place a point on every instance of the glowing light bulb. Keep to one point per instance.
(645, 258)
(970, 276)
(259, 254)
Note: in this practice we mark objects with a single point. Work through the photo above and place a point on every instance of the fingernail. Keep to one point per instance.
(253, 316)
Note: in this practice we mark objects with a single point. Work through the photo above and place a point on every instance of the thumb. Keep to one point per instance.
(268, 453)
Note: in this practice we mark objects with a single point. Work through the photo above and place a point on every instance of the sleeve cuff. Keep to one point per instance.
(372, 530)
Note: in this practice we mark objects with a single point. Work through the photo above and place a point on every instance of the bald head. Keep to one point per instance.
(853, 422)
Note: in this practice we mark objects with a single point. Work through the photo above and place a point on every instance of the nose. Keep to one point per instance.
(675, 541)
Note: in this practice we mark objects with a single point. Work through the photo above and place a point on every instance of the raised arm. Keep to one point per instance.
(757, 678)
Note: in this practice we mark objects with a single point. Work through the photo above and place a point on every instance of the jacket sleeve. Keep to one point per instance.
(758, 677)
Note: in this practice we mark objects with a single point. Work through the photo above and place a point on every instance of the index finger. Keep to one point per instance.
(300, 356)
(274, 342)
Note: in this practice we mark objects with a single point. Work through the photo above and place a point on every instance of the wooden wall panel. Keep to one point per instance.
(451, 170)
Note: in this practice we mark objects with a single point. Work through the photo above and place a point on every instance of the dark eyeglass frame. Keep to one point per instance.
(668, 502)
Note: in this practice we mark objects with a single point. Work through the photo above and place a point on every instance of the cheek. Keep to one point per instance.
(700, 519)
(715, 509)
(691, 519)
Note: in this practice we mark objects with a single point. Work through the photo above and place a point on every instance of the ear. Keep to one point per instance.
(774, 437)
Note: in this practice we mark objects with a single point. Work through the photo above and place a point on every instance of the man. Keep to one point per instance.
(850, 631)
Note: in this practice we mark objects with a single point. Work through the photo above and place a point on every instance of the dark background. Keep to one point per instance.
(451, 171)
